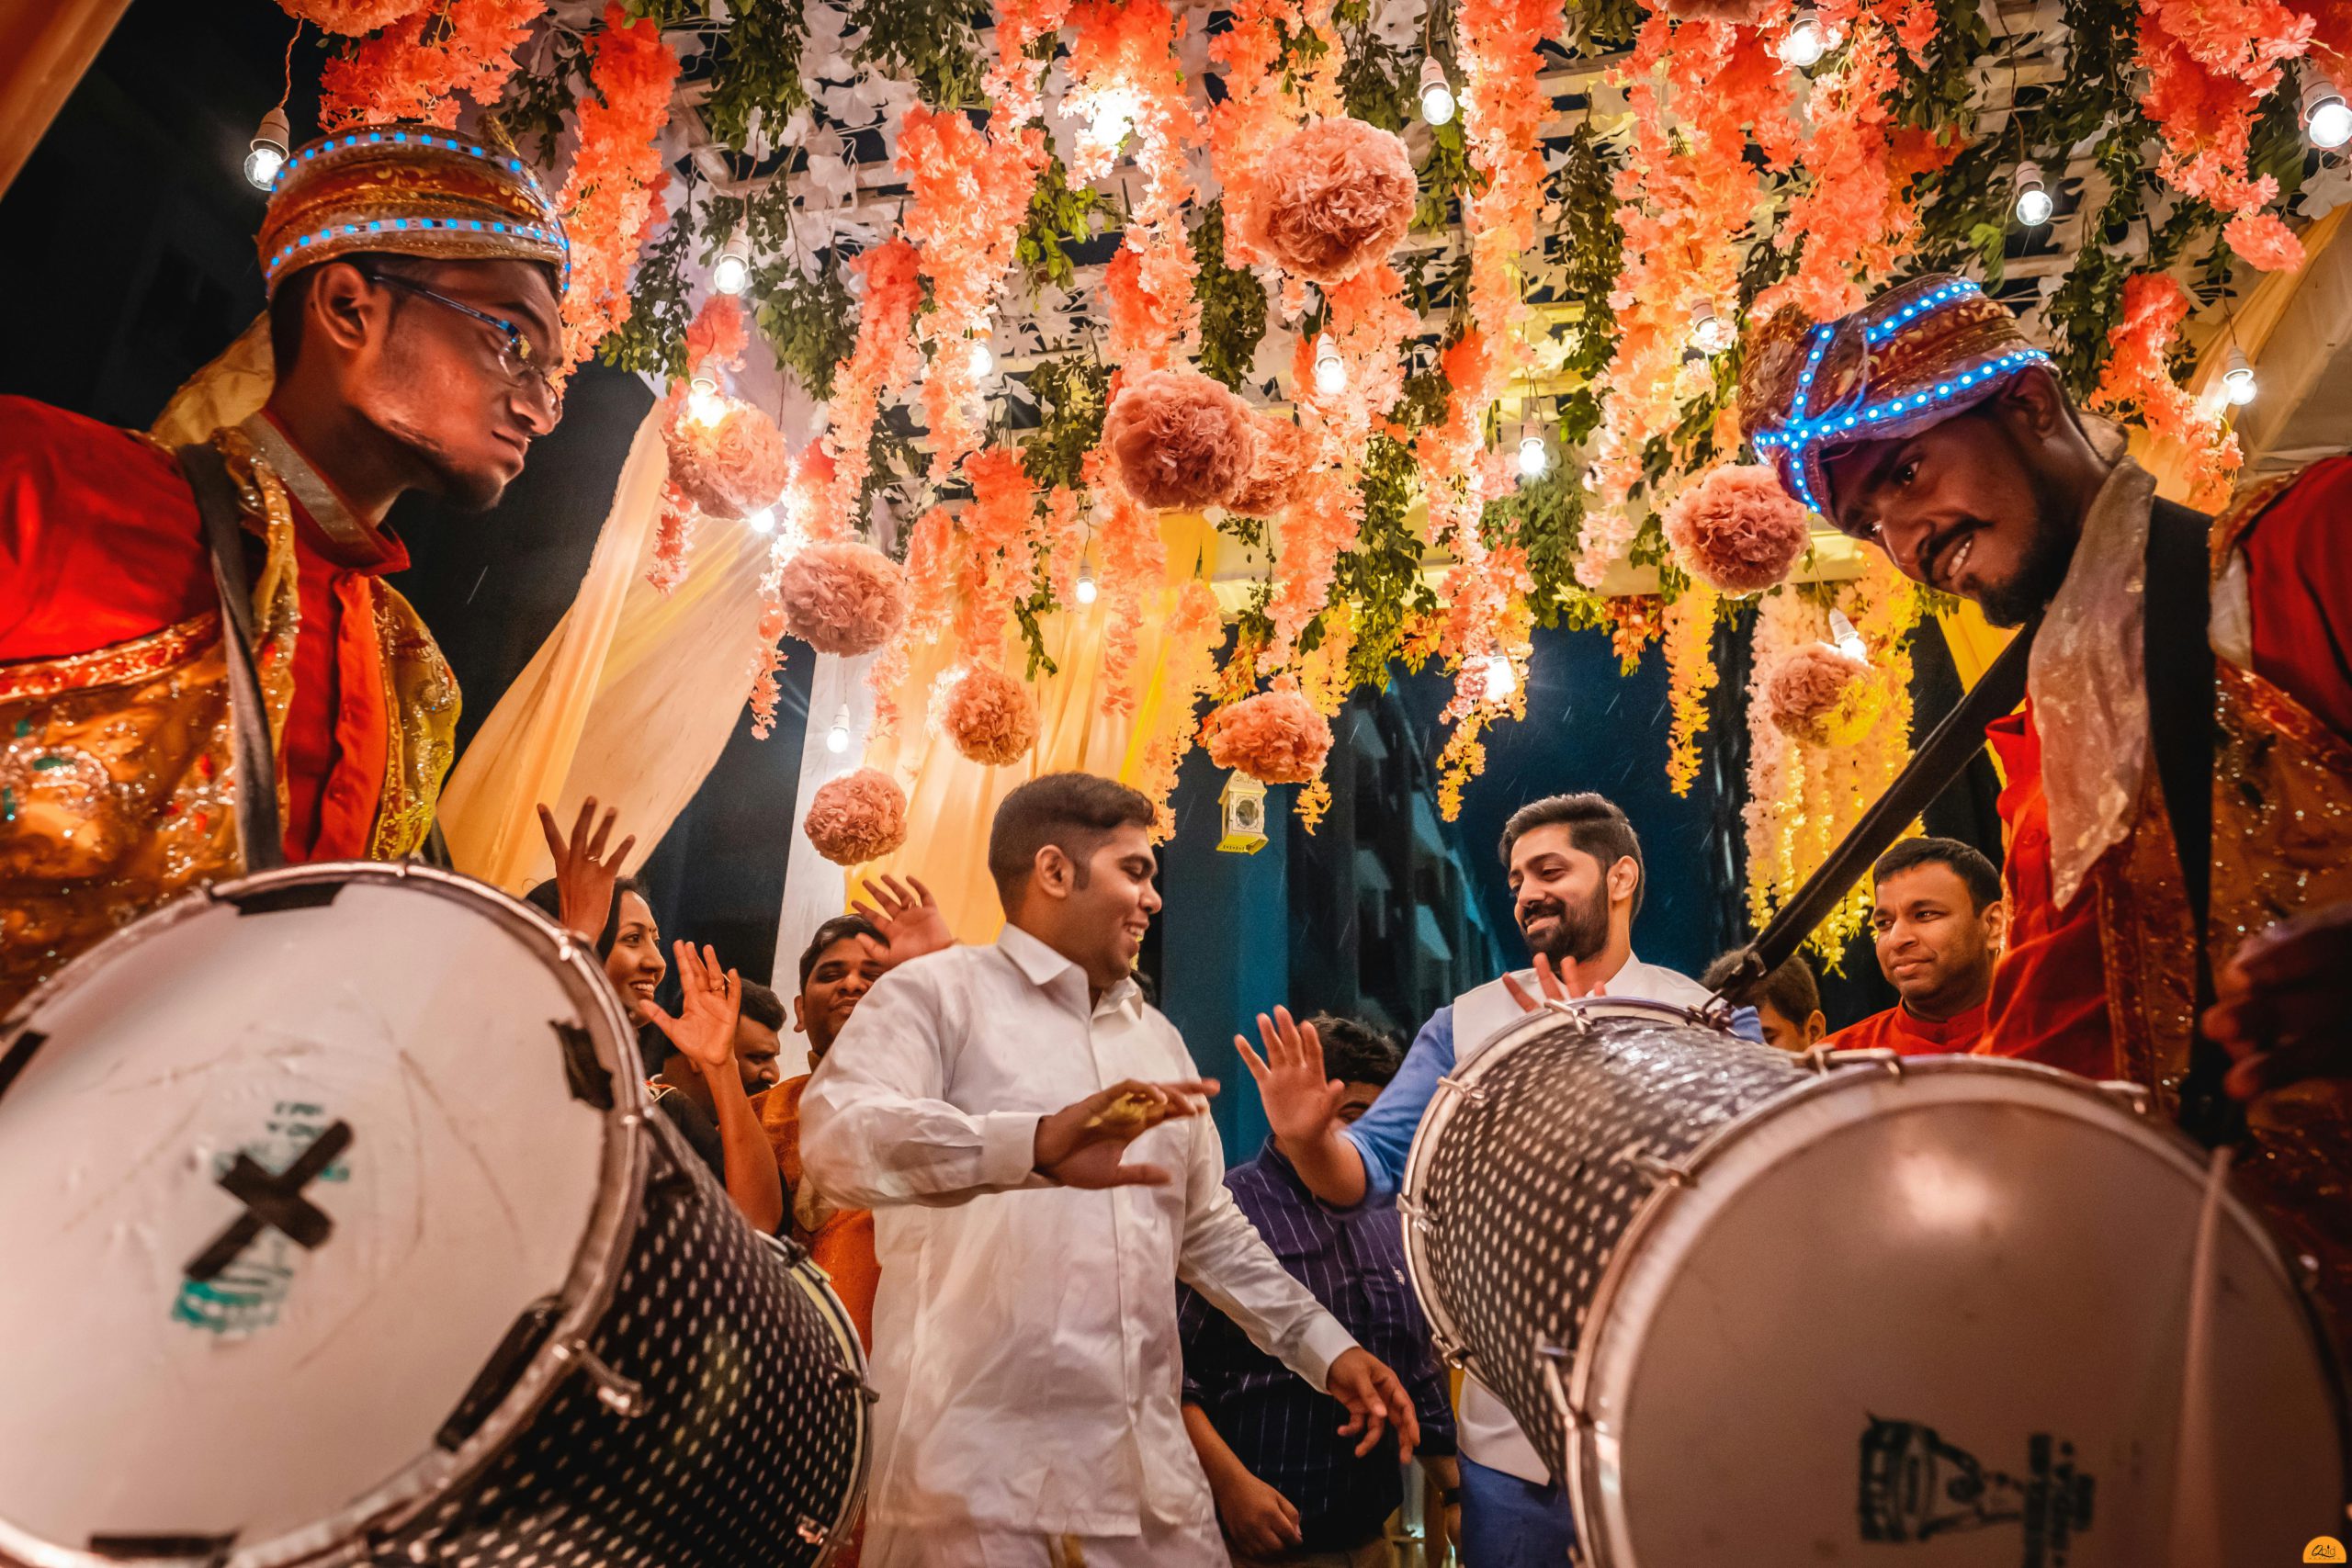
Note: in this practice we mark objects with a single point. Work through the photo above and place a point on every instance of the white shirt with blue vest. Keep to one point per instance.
(1383, 1136)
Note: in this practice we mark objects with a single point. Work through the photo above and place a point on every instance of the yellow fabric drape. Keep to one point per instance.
(951, 800)
(630, 699)
(45, 46)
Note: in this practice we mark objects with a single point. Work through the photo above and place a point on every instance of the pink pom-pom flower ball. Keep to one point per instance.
(1737, 530)
(990, 716)
(1333, 199)
(1274, 478)
(1180, 439)
(1821, 696)
(860, 816)
(841, 596)
(1276, 736)
(731, 468)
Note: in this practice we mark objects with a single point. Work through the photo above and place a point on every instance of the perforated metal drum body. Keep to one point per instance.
(339, 1231)
(1762, 1309)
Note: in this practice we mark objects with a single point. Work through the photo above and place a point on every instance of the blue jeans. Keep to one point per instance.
(1510, 1523)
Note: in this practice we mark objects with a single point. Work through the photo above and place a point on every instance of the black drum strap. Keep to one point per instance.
(256, 761)
(1938, 760)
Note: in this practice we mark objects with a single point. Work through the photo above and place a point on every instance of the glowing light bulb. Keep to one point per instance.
(704, 405)
(1501, 679)
(1115, 116)
(2328, 120)
(2034, 204)
(731, 273)
(1330, 371)
(837, 737)
(1086, 589)
(1844, 638)
(267, 157)
(2237, 381)
(1709, 333)
(983, 358)
(1807, 40)
(1534, 455)
(1437, 96)
(763, 521)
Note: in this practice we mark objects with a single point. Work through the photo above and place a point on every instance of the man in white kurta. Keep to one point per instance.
(1025, 1339)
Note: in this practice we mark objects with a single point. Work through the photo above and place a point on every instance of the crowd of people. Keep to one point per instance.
(1091, 1342)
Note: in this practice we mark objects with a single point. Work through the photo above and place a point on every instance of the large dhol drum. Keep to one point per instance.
(1765, 1309)
(336, 1230)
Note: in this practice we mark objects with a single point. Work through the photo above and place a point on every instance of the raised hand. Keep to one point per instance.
(704, 1031)
(1085, 1143)
(1376, 1401)
(1302, 1104)
(908, 917)
(585, 873)
(1556, 985)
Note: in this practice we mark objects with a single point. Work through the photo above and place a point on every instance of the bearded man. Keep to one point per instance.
(1576, 882)
(2179, 798)
(162, 614)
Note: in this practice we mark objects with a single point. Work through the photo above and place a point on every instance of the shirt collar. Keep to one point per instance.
(1044, 966)
(340, 534)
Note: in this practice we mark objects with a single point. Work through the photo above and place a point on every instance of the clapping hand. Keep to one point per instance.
(1083, 1143)
(585, 873)
(1552, 983)
(908, 917)
(704, 1030)
(1302, 1104)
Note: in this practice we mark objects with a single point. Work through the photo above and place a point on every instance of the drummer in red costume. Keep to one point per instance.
(1936, 916)
(2179, 799)
(413, 280)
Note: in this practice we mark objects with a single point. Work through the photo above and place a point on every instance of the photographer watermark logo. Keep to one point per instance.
(2324, 1549)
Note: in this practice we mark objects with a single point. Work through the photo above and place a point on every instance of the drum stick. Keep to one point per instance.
(2196, 1508)
(1939, 760)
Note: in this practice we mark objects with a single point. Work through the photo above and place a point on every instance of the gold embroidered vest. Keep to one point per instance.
(2282, 844)
(117, 789)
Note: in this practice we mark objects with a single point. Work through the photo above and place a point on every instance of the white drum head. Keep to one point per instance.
(415, 1009)
(1942, 1320)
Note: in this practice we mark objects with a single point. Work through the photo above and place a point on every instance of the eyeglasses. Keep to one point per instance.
(515, 360)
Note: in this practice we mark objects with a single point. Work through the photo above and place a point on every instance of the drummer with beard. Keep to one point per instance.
(1575, 881)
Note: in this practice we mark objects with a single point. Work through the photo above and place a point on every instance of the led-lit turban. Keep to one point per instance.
(413, 190)
(1911, 357)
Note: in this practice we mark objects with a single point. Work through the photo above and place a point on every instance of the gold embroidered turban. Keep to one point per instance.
(1914, 356)
(411, 190)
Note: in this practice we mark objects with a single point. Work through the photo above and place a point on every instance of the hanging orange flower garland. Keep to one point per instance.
(617, 170)
(882, 362)
(1127, 79)
(968, 197)
(2210, 64)
(1690, 676)
(1195, 627)
(1269, 92)
(397, 75)
(995, 553)
(2138, 374)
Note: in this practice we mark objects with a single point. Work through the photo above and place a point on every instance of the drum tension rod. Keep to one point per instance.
(1657, 1169)
(811, 1531)
(615, 1393)
(1470, 1092)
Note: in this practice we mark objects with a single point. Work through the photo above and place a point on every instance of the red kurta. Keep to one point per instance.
(2049, 1002)
(100, 543)
(1901, 1031)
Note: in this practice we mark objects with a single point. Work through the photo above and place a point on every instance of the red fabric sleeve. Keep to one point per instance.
(2298, 579)
(99, 540)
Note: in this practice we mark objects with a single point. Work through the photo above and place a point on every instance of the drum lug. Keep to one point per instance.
(1470, 1092)
(1557, 1361)
(811, 1531)
(1822, 1059)
(2133, 1097)
(1660, 1172)
(616, 1394)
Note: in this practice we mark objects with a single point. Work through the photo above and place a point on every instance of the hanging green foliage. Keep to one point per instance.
(1233, 304)
(653, 340)
(1071, 393)
(1059, 218)
(756, 82)
(928, 42)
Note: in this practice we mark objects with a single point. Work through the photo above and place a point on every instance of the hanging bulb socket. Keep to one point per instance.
(1086, 589)
(837, 737)
(268, 156)
(2034, 203)
(1846, 639)
(1500, 678)
(982, 358)
(1535, 456)
(2327, 119)
(1330, 371)
(2237, 380)
(1807, 40)
(1711, 332)
(1436, 93)
(731, 273)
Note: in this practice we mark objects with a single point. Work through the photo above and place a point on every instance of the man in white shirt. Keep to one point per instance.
(1025, 1338)
(1575, 881)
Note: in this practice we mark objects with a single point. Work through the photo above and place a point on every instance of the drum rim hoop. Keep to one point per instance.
(1588, 1495)
(809, 1275)
(343, 1535)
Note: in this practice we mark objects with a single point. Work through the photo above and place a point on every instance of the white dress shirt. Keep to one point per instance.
(1490, 1433)
(1024, 1333)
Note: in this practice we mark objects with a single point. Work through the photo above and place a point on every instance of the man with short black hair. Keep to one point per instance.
(1575, 878)
(1025, 1329)
(414, 280)
(1289, 1491)
(1937, 916)
(1787, 1001)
